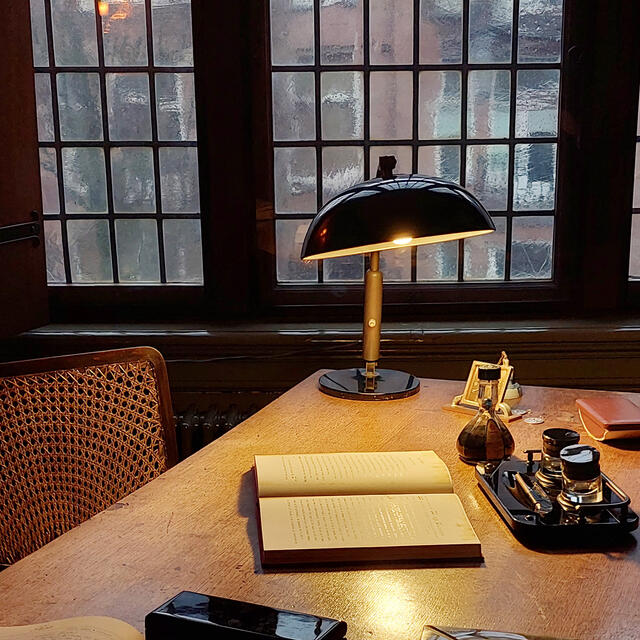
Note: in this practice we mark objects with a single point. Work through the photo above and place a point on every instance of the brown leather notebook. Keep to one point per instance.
(609, 417)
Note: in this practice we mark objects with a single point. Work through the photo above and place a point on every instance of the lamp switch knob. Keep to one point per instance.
(372, 323)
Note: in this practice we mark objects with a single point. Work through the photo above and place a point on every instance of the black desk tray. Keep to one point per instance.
(614, 516)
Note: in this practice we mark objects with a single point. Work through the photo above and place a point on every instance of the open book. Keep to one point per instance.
(351, 507)
(87, 628)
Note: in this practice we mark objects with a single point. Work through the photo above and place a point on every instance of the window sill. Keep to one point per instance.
(270, 357)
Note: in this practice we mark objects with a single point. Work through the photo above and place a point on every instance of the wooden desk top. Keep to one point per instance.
(195, 528)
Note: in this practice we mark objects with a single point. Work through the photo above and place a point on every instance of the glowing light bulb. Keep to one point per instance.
(402, 241)
(103, 9)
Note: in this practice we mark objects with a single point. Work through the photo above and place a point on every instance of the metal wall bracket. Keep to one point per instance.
(22, 231)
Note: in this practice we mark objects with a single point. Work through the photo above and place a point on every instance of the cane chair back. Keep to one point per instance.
(77, 434)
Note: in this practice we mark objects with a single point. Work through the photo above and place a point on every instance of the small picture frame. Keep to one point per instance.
(469, 397)
(467, 402)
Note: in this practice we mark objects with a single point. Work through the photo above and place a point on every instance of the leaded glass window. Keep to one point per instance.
(465, 90)
(118, 142)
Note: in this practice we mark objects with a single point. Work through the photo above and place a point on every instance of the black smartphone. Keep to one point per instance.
(196, 616)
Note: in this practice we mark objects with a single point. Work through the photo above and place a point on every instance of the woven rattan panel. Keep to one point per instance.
(72, 443)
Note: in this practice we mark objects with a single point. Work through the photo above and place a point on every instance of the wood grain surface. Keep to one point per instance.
(194, 528)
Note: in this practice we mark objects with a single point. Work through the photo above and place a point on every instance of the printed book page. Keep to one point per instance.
(332, 474)
(359, 521)
(86, 628)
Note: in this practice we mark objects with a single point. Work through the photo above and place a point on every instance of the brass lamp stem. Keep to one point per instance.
(372, 314)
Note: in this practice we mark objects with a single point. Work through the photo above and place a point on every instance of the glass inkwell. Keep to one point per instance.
(561, 496)
(581, 481)
(485, 438)
(549, 473)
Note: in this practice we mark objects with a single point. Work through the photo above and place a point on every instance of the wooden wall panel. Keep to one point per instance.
(23, 286)
(250, 364)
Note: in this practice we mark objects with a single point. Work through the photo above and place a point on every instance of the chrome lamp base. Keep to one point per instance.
(352, 384)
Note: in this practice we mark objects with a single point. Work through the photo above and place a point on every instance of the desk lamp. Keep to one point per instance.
(388, 212)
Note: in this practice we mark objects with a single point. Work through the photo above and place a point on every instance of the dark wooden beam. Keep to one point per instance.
(222, 61)
(23, 283)
(599, 116)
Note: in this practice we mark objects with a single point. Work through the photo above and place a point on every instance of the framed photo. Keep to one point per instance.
(469, 396)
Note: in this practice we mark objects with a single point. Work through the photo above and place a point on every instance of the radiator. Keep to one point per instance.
(195, 429)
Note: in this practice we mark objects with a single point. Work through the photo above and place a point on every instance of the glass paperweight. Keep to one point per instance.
(485, 438)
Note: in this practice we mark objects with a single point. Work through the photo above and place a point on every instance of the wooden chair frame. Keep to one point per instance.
(113, 408)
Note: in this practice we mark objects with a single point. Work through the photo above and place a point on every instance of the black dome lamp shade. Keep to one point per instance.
(388, 212)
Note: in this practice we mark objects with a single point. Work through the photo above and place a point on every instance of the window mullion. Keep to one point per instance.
(513, 89)
(154, 136)
(106, 147)
(57, 145)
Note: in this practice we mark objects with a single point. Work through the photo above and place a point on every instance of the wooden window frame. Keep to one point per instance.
(462, 143)
(226, 195)
(597, 45)
(53, 71)
(596, 156)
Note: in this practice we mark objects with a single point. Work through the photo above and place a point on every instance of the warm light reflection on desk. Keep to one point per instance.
(390, 605)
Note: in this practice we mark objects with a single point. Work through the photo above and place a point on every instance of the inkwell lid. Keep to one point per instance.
(580, 462)
(555, 440)
(489, 373)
